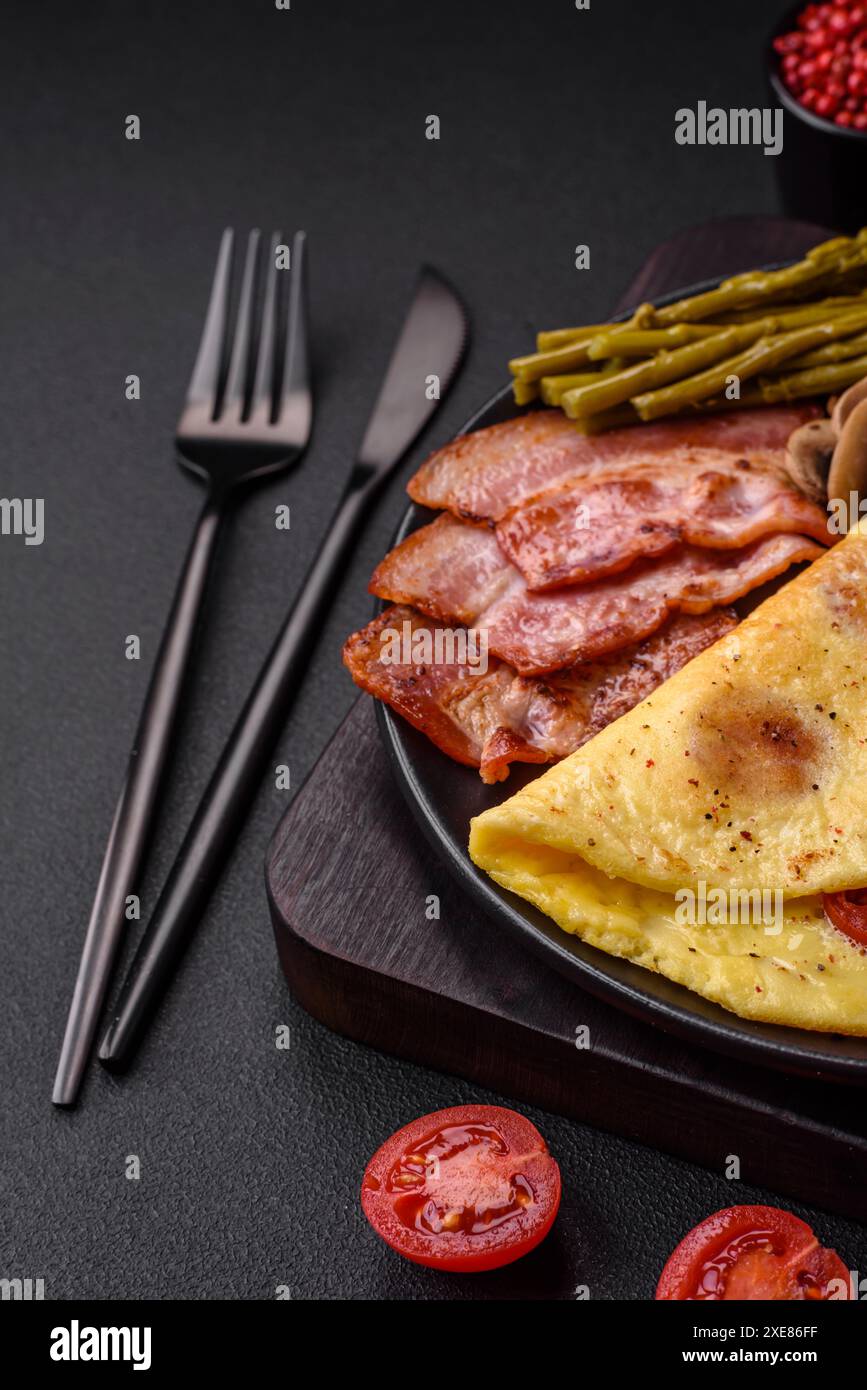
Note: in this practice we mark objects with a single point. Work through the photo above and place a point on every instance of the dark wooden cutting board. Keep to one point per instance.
(350, 880)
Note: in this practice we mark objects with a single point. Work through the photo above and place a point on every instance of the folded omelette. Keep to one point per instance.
(697, 834)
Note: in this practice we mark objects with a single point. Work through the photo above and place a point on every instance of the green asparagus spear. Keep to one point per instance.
(554, 338)
(815, 381)
(556, 362)
(562, 359)
(551, 388)
(628, 342)
(813, 310)
(554, 388)
(758, 287)
(525, 391)
(642, 342)
(621, 416)
(643, 317)
(665, 367)
(761, 357)
(831, 352)
(833, 247)
(823, 312)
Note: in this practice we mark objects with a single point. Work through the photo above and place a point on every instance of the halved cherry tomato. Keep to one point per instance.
(848, 913)
(753, 1253)
(469, 1188)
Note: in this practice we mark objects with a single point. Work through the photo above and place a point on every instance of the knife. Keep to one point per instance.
(423, 365)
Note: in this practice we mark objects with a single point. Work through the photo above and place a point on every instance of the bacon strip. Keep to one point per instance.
(457, 573)
(585, 528)
(481, 476)
(489, 719)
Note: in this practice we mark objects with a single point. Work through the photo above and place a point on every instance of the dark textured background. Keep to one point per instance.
(557, 128)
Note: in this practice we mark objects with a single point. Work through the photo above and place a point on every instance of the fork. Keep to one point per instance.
(243, 419)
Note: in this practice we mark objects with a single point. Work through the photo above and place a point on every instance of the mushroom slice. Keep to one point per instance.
(808, 458)
(848, 472)
(845, 404)
(849, 463)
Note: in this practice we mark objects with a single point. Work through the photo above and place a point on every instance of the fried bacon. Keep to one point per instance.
(585, 529)
(585, 569)
(458, 574)
(480, 477)
(489, 718)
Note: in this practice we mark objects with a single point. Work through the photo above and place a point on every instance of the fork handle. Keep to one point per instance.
(224, 805)
(135, 809)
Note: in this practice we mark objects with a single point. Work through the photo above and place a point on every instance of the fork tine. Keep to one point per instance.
(295, 409)
(205, 380)
(263, 386)
(236, 381)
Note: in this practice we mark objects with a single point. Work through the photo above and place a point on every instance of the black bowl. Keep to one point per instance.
(822, 167)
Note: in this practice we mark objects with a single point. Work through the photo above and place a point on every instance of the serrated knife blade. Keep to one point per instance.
(423, 364)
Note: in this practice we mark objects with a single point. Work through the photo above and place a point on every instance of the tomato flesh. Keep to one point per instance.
(470, 1188)
(848, 913)
(752, 1253)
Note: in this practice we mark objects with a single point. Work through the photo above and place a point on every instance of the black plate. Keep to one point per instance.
(444, 796)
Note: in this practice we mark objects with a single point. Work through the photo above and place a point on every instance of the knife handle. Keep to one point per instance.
(229, 793)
